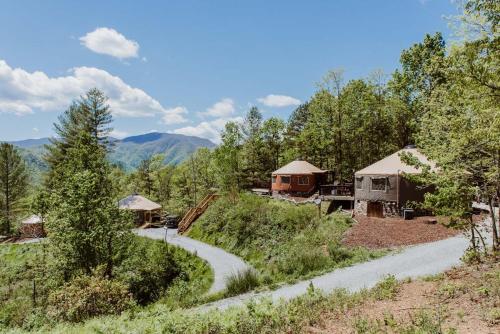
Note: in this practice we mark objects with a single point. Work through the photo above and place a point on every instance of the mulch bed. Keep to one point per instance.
(374, 232)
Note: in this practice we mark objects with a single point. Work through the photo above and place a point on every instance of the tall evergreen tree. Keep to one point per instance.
(13, 186)
(85, 226)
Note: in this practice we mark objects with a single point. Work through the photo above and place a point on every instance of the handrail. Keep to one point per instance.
(195, 212)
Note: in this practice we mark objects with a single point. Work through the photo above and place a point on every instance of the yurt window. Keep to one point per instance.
(285, 179)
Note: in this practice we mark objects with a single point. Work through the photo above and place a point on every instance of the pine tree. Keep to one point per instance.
(13, 186)
(85, 226)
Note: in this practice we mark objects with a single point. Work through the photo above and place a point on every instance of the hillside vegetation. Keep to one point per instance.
(463, 300)
(30, 297)
(281, 240)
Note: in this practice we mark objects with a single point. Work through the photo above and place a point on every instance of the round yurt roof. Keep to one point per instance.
(138, 203)
(298, 167)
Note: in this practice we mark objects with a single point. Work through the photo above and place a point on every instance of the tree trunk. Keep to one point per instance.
(493, 224)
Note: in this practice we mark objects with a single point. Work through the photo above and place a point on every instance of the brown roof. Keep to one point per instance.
(298, 167)
(138, 203)
(393, 165)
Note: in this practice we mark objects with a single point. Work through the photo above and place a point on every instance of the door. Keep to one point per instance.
(375, 209)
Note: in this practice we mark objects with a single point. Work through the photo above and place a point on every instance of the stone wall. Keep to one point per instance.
(390, 208)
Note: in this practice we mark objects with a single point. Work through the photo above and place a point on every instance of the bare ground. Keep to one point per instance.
(463, 300)
(374, 232)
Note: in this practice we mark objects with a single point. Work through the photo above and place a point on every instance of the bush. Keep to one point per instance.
(149, 270)
(387, 288)
(85, 297)
(241, 282)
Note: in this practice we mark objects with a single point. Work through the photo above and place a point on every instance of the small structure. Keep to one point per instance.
(146, 210)
(299, 177)
(381, 189)
(32, 227)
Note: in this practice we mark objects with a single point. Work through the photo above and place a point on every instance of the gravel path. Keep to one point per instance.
(223, 263)
(426, 259)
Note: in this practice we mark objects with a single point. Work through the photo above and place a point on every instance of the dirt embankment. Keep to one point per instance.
(462, 300)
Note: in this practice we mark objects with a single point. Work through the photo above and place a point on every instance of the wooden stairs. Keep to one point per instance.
(195, 212)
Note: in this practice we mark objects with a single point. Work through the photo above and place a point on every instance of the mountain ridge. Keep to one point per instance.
(127, 152)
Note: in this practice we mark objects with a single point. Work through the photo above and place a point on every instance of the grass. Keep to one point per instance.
(283, 241)
(241, 282)
(19, 267)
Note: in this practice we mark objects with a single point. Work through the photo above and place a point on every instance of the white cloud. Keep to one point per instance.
(110, 42)
(23, 92)
(35, 129)
(174, 115)
(223, 108)
(210, 130)
(118, 134)
(279, 101)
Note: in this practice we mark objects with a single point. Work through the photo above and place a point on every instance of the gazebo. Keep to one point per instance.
(146, 210)
(32, 227)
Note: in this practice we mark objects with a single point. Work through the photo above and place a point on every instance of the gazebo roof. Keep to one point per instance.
(138, 203)
(33, 219)
(298, 167)
(392, 164)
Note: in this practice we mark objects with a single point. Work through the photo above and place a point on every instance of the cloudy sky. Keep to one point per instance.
(190, 66)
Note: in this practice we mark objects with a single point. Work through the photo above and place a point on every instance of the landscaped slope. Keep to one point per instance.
(281, 240)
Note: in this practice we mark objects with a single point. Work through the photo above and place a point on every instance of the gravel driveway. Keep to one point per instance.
(223, 263)
(426, 259)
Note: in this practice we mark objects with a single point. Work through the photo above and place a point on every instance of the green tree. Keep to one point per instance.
(272, 135)
(13, 186)
(411, 87)
(227, 159)
(85, 226)
(462, 130)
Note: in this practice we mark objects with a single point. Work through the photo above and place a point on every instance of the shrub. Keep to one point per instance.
(149, 270)
(88, 296)
(387, 288)
(241, 282)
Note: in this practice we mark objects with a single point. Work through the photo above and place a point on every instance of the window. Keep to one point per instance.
(303, 180)
(359, 182)
(285, 179)
(379, 184)
(273, 179)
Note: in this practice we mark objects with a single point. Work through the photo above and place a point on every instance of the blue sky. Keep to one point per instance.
(190, 66)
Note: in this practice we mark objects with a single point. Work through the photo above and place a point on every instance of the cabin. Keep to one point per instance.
(381, 189)
(32, 227)
(299, 178)
(146, 211)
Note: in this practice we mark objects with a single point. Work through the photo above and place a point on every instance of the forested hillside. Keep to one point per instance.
(128, 152)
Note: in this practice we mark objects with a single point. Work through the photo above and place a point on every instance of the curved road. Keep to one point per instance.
(426, 259)
(421, 260)
(223, 263)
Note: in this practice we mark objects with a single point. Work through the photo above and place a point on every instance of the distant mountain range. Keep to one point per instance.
(128, 152)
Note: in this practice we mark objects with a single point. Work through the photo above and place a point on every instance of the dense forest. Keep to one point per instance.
(444, 99)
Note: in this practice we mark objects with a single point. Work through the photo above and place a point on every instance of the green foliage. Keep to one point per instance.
(281, 240)
(13, 186)
(386, 289)
(88, 296)
(148, 270)
(241, 282)
(22, 266)
(85, 226)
